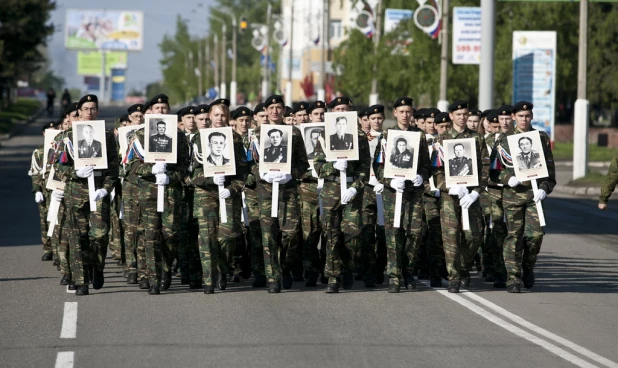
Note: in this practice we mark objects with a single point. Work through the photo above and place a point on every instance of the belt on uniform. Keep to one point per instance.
(348, 179)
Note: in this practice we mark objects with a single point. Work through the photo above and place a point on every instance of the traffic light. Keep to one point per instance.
(244, 24)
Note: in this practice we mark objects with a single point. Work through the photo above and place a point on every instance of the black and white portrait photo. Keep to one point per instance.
(341, 140)
(311, 134)
(460, 162)
(160, 141)
(401, 154)
(341, 135)
(89, 144)
(160, 138)
(275, 148)
(218, 151)
(49, 147)
(528, 156)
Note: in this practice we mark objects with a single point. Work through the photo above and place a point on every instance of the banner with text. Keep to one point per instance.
(466, 35)
(104, 30)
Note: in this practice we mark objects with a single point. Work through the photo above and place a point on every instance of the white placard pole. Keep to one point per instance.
(344, 186)
(160, 198)
(465, 219)
(112, 195)
(275, 200)
(491, 222)
(50, 230)
(92, 193)
(121, 214)
(380, 204)
(398, 202)
(222, 210)
(320, 186)
(245, 211)
(52, 211)
(539, 205)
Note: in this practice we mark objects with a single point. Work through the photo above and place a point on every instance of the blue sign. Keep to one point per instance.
(212, 93)
(118, 84)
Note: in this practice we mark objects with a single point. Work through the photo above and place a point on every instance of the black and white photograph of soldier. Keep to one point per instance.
(461, 165)
(276, 150)
(87, 146)
(341, 140)
(217, 149)
(528, 158)
(311, 134)
(402, 155)
(160, 141)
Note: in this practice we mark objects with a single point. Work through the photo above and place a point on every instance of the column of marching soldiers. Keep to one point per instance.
(321, 234)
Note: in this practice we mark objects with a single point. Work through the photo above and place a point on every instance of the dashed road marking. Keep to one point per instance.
(69, 321)
(65, 359)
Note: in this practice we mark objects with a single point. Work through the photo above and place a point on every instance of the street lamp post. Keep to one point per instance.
(222, 88)
(233, 100)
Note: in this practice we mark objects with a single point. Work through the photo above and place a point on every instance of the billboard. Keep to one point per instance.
(87, 29)
(90, 63)
(466, 35)
(392, 17)
(534, 75)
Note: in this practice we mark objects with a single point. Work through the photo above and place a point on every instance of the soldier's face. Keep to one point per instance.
(430, 126)
(88, 133)
(161, 128)
(242, 125)
(506, 123)
(341, 108)
(420, 123)
(201, 121)
(459, 151)
(341, 125)
(136, 118)
(275, 139)
(525, 146)
(160, 108)
(486, 126)
(217, 144)
(401, 146)
(441, 128)
(459, 117)
(317, 116)
(261, 118)
(189, 122)
(275, 113)
(365, 124)
(289, 120)
(403, 114)
(301, 117)
(376, 121)
(473, 122)
(523, 120)
(494, 128)
(218, 118)
(88, 111)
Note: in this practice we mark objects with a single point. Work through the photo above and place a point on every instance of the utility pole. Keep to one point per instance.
(443, 103)
(265, 82)
(325, 20)
(223, 61)
(373, 96)
(580, 126)
(233, 100)
(198, 72)
(486, 67)
(288, 85)
(216, 43)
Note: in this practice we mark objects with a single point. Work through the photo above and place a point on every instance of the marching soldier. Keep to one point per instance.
(288, 116)
(300, 112)
(609, 184)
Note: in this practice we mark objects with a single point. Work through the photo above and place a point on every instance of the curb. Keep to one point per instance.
(590, 163)
(582, 191)
(19, 125)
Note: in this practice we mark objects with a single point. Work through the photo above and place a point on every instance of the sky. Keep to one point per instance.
(143, 66)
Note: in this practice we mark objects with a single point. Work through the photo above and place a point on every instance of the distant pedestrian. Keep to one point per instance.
(66, 99)
(51, 96)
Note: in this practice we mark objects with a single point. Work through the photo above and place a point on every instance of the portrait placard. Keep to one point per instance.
(528, 156)
(218, 151)
(53, 181)
(276, 148)
(125, 134)
(341, 136)
(401, 159)
(89, 144)
(311, 135)
(160, 138)
(48, 146)
(460, 165)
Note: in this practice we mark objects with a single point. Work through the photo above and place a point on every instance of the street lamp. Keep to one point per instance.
(222, 88)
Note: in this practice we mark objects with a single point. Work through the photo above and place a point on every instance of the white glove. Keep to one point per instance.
(284, 178)
(84, 172)
(348, 195)
(437, 193)
(341, 165)
(267, 177)
(99, 194)
(57, 195)
(38, 197)
(417, 181)
(513, 182)
(224, 193)
(458, 190)
(378, 188)
(218, 179)
(398, 184)
(539, 195)
(159, 168)
(373, 181)
(314, 173)
(468, 199)
(162, 179)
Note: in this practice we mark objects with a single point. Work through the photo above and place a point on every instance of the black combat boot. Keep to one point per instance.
(528, 277)
(65, 280)
(287, 280)
(98, 279)
(410, 282)
(166, 280)
(393, 286)
(465, 278)
(274, 287)
(513, 288)
(81, 290)
(209, 289)
(333, 285)
(312, 279)
(47, 257)
(132, 278)
(144, 284)
(453, 286)
(222, 281)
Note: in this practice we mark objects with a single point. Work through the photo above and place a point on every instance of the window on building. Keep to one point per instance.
(336, 31)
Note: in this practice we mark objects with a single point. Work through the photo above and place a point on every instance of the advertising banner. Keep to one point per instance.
(104, 30)
(466, 35)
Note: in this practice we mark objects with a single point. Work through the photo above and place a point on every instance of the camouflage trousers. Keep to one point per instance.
(130, 202)
(206, 212)
(188, 251)
(227, 235)
(402, 242)
(460, 245)
(279, 234)
(148, 231)
(342, 226)
(116, 239)
(311, 226)
(373, 253)
(174, 224)
(433, 235)
(45, 240)
(60, 241)
(495, 233)
(253, 234)
(524, 233)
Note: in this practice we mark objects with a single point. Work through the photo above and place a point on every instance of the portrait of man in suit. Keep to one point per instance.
(89, 147)
(401, 156)
(277, 152)
(313, 142)
(160, 142)
(460, 165)
(341, 141)
(216, 144)
(528, 158)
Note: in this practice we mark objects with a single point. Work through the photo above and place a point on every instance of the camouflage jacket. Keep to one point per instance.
(609, 184)
(250, 179)
(36, 166)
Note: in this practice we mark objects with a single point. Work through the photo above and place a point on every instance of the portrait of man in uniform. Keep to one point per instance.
(341, 141)
(88, 147)
(460, 165)
(276, 152)
(216, 145)
(401, 156)
(314, 134)
(160, 142)
(528, 158)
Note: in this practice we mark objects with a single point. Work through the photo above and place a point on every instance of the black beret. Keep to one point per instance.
(134, 108)
(362, 112)
(58, 122)
(431, 112)
(492, 116)
(343, 100)
(202, 109)
(274, 99)
(88, 98)
(300, 106)
(419, 113)
(403, 101)
(259, 108)
(161, 98)
(505, 110)
(50, 124)
(187, 111)
(442, 117)
(240, 112)
(73, 106)
(484, 113)
(218, 101)
(457, 105)
(316, 105)
(522, 106)
(474, 112)
(146, 106)
(375, 109)
(288, 113)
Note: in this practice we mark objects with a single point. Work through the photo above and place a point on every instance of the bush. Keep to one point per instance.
(21, 110)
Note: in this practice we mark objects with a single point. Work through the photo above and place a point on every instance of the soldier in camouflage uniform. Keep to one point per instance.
(460, 245)
(116, 239)
(37, 174)
(402, 241)
(609, 184)
(524, 232)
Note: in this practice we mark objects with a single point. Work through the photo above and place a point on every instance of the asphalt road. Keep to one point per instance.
(570, 318)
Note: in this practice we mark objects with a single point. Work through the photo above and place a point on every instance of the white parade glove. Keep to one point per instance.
(437, 193)
(513, 182)
(267, 177)
(284, 178)
(341, 165)
(162, 179)
(224, 193)
(314, 173)
(348, 195)
(218, 179)
(159, 168)
(320, 184)
(84, 172)
(57, 195)
(398, 184)
(539, 195)
(99, 194)
(458, 190)
(468, 199)
(378, 188)
(38, 197)
(417, 181)
(373, 181)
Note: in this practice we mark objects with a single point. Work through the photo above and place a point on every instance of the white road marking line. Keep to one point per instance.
(70, 291)
(69, 321)
(541, 331)
(65, 359)
(516, 330)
